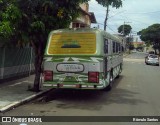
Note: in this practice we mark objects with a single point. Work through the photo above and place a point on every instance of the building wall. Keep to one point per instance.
(15, 62)
(137, 44)
(83, 20)
(85, 6)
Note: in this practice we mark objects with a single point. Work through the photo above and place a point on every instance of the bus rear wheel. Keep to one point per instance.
(109, 87)
(120, 70)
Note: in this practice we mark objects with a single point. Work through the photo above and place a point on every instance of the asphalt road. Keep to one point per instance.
(135, 93)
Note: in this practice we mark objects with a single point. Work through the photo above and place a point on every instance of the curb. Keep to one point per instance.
(23, 101)
(125, 55)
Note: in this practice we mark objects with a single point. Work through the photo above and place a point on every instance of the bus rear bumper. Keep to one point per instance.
(75, 86)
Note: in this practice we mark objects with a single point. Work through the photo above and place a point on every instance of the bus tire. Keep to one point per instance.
(117, 76)
(120, 70)
(109, 87)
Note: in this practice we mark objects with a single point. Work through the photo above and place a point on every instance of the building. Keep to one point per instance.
(85, 19)
(137, 44)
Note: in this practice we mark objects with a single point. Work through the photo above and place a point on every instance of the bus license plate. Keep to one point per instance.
(70, 68)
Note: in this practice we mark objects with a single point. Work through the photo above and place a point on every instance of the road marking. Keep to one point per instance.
(16, 84)
(28, 81)
(140, 63)
(134, 60)
(131, 86)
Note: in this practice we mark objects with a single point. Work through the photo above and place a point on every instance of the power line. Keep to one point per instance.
(145, 12)
(117, 13)
(134, 20)
(108, 27)
(111, 29)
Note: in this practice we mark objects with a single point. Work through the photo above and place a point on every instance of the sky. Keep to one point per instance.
(139, 14)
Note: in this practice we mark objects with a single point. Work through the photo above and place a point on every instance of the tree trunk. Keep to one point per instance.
(159, 48)
(155, 51)
(159, 51)
(38, 71)
(105, 21)
(38, 49)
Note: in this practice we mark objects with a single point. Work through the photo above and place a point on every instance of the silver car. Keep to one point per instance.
(152, 59)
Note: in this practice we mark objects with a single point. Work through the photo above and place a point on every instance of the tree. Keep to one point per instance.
(30, 21)
(9, 14)
(151, 35)
(125, 29)
(107, 3)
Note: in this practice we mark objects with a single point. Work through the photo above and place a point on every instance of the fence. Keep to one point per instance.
(16, 62)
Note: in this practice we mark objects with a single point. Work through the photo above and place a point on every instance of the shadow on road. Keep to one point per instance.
(90, 99)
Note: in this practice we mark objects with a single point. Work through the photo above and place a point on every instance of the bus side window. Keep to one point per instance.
(122, 48)
(114, 47)
(117, 47)
(105, 46)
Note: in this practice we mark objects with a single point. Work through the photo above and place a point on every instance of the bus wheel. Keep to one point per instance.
(109, 87)
(120, 70)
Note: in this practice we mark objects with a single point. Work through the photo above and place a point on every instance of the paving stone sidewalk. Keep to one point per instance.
(15, 93)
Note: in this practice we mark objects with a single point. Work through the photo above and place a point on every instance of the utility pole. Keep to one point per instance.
(127, 43)
(105, 21)
(123, 28)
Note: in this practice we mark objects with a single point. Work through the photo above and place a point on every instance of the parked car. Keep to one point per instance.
(152, 59)
(151, 52)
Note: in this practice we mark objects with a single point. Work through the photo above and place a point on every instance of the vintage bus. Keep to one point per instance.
(82, 59)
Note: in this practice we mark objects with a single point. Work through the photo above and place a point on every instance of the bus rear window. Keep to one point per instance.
(72, 43)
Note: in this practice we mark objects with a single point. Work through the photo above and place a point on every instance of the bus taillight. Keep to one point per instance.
(48, 75)
(93, 77)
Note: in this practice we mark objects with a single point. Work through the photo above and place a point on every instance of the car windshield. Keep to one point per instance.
(153, 56)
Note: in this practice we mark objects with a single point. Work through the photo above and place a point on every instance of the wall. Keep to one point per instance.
(16, 62)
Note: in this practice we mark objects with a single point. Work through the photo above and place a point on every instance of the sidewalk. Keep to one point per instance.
(125, 54)
(15, 93)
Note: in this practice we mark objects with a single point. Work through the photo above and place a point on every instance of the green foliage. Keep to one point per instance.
(5, 29)
(113, 3)
(151, 35)
(9, 15)
(36, 18)
(125, 29)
